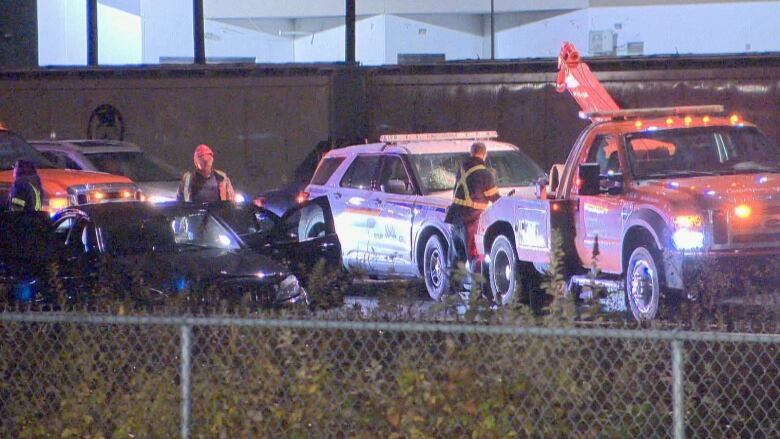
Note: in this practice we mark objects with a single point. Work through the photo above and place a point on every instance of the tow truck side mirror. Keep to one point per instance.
(613, 183)
(589, 179)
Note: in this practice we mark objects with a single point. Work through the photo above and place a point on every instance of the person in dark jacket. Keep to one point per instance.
(205, 184)
(26, 193)
(475, 187)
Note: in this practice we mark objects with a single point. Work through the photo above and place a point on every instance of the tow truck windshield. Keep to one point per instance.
(437, 172)
(13, 147)
(693, 152)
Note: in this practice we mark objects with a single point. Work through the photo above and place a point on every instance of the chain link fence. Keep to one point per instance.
(72, 375)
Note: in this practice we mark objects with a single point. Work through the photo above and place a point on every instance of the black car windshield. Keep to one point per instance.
(14, 147)
(134, 235)
(201, 229)
(699, 151)
(437, 171)
(134, 165)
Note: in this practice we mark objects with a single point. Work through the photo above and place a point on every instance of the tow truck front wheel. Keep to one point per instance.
(643, 288)
(503, 270)
(435, 268)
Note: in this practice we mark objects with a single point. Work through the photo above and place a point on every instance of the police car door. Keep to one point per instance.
(391, 239)
(353, 214)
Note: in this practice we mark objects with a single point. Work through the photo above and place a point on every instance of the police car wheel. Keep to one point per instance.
(503, 270)
(435, 268)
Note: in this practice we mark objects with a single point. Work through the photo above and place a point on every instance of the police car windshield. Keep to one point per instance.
(14, 147)
(436, 172)
(134, 165)
(691, 152)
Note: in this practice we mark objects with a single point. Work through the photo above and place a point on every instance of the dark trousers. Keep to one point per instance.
(463, 239)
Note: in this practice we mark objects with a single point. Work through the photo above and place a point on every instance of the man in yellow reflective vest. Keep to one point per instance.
(26, 192)
(205, 184)
(475, 187)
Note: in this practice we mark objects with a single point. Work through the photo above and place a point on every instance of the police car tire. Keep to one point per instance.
(437, 283)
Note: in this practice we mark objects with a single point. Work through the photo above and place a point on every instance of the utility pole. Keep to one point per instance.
(492, 29)
(92, 33)
(350, 25)
(198, 33)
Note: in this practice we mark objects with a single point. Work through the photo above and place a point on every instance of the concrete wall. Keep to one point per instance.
(259, 123)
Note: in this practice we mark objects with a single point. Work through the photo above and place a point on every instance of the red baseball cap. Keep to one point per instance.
(202, 150)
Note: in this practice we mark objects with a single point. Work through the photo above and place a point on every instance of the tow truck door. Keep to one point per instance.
(599, 216)
(391, 240)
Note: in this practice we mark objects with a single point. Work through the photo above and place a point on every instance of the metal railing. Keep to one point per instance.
(234, 377)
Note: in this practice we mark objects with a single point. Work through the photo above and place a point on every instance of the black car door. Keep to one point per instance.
(305, 236)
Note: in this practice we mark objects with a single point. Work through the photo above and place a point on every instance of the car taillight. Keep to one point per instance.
(301, 197)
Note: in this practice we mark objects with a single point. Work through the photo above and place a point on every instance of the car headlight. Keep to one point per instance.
(291, 291)
(159, 199)
(686, 239)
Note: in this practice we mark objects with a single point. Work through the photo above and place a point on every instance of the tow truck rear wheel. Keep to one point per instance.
(643, 286)
(435, 268)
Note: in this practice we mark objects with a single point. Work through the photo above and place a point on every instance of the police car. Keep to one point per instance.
(389, 200)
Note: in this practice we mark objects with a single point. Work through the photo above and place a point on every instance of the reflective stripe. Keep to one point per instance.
(472, 204)
(18, 202)
(492, 191)
(38, 203)
(187, 193)
(467, 201)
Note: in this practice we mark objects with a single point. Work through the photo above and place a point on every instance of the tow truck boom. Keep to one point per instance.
(575, 76)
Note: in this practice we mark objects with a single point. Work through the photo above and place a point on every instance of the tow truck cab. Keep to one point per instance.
(647, 191)
(61, 187)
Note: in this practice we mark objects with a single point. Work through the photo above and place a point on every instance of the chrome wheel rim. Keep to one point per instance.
(642, 286)
(435, 269)
(502, 278)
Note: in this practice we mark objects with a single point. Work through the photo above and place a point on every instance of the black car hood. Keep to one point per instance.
(166, 270)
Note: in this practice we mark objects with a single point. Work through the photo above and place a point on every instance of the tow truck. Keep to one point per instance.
(643, 195)
(61, 187)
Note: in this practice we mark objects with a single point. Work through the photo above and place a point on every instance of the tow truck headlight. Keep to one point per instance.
(743, 211)
(686, 239)
(688, 234)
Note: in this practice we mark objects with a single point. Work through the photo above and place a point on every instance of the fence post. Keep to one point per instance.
(186, 367)
(678, 396)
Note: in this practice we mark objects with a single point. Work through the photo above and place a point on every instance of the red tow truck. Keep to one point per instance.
(646, 190)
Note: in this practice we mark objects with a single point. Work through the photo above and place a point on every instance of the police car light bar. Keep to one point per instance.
(466, 135)
(653, 112)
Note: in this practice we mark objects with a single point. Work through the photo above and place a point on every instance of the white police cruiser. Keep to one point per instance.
(388, 200)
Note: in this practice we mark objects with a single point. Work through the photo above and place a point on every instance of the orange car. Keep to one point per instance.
(61, 187)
